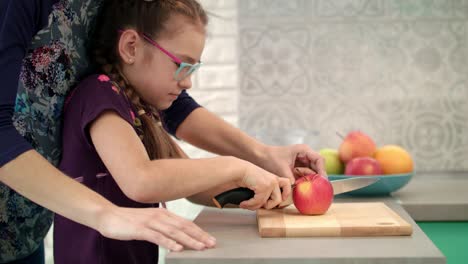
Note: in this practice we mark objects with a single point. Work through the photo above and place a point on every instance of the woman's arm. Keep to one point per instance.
(19, 22)
(148, 181)
(34, 177)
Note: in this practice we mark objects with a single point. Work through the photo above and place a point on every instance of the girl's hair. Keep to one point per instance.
(149, 17)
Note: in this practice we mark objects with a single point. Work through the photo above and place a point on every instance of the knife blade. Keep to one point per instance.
(238, 195)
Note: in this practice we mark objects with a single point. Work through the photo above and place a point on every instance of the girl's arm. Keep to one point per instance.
(205, 198)
(149, 181)
(34, 177)
(207, 131)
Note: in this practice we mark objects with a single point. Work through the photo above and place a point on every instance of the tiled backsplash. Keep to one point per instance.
(396, 70)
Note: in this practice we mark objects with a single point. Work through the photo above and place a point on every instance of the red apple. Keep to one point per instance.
(313, 194)
(363, 166)
(356, 144)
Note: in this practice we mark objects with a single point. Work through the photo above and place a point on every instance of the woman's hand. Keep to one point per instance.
(281, 160)
(270, 190)
(156, 225)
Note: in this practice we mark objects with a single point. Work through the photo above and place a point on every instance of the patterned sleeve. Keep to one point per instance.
(94, 96)
(19, 22)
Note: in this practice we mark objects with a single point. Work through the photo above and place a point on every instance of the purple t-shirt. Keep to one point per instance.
(73, 242)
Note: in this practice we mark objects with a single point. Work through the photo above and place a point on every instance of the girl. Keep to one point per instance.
(114, 140)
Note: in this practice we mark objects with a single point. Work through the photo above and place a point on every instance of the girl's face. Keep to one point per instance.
(151, 71)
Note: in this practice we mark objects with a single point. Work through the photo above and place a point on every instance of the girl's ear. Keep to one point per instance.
(128, 44)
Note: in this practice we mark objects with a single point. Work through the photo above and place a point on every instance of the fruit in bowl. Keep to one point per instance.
(356, 144)
(333, 164)
(394, 159)
(362, 158)
(363, 166)
(313, 194)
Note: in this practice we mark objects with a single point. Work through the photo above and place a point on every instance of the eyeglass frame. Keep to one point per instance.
(175, 59)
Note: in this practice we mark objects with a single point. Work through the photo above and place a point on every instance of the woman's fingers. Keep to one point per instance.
(174, 232)
(157, 238)
(183, 231)
(193, 230)
(155, 225)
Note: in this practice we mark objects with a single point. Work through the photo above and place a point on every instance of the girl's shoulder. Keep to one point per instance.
(95, 81)
(95, 87)
(94, 95)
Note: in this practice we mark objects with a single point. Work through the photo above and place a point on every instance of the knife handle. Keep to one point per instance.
(234, 196)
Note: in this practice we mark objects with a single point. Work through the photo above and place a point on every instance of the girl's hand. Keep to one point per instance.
(282, 160)
(156, 225)
(270, 190)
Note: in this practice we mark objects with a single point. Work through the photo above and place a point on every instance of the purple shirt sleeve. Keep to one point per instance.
(20, 20)
(92, 97)
(179, 110)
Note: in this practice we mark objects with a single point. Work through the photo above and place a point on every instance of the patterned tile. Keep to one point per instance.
(394, 69)
(349, 8)
(415, 9)
(272, 8)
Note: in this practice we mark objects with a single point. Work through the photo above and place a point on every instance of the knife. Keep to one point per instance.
(238, 195)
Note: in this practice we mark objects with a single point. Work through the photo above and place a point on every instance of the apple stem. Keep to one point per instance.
(340, 135)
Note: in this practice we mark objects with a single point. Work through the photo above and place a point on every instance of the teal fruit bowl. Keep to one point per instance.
(384, 186)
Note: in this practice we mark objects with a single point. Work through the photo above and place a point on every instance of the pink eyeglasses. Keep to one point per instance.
(184, 70)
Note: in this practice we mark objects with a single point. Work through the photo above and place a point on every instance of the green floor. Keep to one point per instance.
(450, 237)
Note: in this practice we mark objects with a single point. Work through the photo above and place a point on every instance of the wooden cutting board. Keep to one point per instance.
(342, 219)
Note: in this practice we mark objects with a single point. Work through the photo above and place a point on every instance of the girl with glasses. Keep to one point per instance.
(114, 138)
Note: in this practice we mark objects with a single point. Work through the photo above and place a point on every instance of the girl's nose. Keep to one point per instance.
(186, 83)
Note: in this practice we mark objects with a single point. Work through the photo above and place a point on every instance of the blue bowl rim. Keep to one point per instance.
(401, 180)
(376, 175)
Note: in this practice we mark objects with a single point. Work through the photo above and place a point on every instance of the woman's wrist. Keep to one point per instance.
(105, 216)
(102, 216)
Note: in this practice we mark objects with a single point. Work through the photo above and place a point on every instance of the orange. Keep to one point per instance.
(394, 159)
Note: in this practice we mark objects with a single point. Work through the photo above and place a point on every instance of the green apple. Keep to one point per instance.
(333, 163)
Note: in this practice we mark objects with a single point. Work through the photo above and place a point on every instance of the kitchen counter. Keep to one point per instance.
(438, 201)
(437, 196)
(238, 242)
